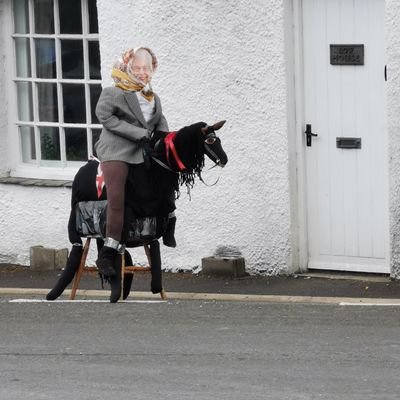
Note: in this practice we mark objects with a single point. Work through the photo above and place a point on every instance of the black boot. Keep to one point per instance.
(169, 234)
(68, 274)
(105, 261)
(128, 277)
(115, 280)
(155, 260)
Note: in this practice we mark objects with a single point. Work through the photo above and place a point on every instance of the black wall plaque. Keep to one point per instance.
(347, 54)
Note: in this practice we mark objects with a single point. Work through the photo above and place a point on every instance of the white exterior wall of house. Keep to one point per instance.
(218, 60)
(393, 50)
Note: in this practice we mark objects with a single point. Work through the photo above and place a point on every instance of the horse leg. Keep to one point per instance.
(155, 263)
(169, 234)
(68, 274)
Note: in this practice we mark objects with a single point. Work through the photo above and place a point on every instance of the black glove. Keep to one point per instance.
(155, 136)
(147, 151)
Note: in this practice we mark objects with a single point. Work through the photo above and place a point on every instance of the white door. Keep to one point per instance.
(347, 188)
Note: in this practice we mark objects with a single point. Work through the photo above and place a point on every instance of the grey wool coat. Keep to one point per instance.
(124, 125)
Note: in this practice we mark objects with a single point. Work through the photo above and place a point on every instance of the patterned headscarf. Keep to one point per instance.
(123, 76)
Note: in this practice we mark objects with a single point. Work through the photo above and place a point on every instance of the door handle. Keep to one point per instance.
(309, 135)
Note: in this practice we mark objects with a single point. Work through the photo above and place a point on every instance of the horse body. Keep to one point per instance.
(149, 192)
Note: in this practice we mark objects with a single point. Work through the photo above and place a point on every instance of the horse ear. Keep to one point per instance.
(212, 128)
(218, 125)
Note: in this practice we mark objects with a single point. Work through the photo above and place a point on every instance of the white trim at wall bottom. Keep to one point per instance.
(371, 265)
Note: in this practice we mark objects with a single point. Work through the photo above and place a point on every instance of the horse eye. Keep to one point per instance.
(210, 140)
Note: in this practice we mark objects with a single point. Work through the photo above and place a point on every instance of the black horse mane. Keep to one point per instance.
(189, 143)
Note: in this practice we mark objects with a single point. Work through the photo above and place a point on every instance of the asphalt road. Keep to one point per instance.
(198, 350)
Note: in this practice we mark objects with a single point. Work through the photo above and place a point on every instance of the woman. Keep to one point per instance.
(129, 111)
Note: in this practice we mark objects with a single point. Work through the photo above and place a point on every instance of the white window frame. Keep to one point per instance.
(63, 169)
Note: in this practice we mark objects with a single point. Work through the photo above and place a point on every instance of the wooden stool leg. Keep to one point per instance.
(78, 274)
(163, 294)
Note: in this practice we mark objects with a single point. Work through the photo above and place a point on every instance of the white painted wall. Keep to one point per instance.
(219, 60)
(393, 49)
(32, 216)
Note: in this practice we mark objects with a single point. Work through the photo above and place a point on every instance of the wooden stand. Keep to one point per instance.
(124, 269)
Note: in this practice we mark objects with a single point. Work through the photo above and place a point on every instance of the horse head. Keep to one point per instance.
(212, 144)
(184, 151)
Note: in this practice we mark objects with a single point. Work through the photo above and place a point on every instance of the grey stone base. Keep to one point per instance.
(229, 267)
(43, 258)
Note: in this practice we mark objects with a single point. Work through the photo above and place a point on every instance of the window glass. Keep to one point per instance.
(21, 16)
(24, 101)
(76, 144)
(44, 16)
(45, 58)
(72, 59)
(70, 16)
(23, 57)
(56, 81)
(94, 60)
(47, 102)
(27, 137)
(95, 91)
(93, 21)
(74, 103)
(50, 143)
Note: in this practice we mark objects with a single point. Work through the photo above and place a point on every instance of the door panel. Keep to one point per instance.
(347, 189)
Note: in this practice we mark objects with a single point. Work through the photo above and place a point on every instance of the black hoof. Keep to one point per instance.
(53, 295)
(156, 288)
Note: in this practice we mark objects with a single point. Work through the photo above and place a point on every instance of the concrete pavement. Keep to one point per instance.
(319, 287)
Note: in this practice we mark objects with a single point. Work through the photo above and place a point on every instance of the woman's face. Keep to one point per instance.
(140, 69)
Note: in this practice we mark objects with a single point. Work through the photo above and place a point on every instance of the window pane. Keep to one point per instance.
(76, 144)
(45, 58)
(21, 16)
(50, 143)
(95, 91)
(47, 102)
(74, 103)
(28, 150)
(72, 59)
(95, 137)
(94, 60)
(70, 16)
(93, 24)
(44, 16)
(24, 99)
(23, 55)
